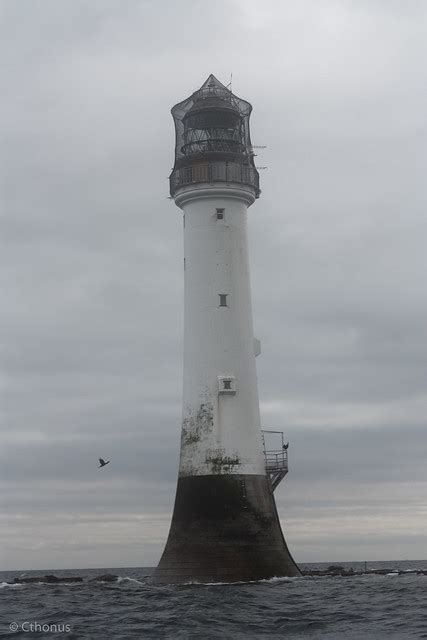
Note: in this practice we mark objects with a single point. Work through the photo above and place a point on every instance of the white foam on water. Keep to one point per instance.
(222, 584)
(282, 579)
(3, 585)
(127, 579)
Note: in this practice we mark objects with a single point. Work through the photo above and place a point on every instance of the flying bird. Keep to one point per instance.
(102, 462)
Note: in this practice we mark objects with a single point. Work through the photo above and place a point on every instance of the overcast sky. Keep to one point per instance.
(92, 278)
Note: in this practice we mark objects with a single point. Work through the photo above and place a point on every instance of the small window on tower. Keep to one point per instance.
(223, 300)
(220, 214)
(227, 385)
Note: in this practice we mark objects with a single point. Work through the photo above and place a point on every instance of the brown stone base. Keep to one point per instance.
(225, 528)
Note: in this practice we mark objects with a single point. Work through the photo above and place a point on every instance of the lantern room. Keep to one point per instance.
(212, 139)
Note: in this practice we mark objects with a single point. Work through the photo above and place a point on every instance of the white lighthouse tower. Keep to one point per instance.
(225, 525)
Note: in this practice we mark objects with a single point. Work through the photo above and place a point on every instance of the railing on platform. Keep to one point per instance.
(276, 456)
(215, 172)
(275, 460)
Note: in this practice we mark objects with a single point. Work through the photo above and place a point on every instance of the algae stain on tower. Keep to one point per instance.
(225, 525)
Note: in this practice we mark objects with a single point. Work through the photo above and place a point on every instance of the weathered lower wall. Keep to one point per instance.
(225, 528)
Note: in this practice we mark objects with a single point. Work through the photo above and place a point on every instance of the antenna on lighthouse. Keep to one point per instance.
(229, 86)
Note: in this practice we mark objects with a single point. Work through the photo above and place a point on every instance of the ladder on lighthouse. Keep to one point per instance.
(276, 456)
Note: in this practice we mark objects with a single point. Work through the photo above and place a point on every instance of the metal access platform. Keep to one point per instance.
(276, 456)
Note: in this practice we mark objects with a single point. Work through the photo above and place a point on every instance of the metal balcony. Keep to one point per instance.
(214, 171)
(276, 456)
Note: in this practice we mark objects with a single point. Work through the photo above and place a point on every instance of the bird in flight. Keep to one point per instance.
(102, 462)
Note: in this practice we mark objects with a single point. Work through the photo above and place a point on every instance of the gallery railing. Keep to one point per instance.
(214, 172)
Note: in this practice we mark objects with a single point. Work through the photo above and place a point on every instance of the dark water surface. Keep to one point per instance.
(367, 607)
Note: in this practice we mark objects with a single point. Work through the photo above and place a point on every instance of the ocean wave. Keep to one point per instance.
(127, 579)
(365, 606)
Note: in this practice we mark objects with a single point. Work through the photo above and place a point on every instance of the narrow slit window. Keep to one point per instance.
(220, 214)
(223, 300)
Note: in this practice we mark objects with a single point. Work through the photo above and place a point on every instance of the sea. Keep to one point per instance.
(360, 607)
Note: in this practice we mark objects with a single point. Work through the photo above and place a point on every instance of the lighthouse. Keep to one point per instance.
(225, 526)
